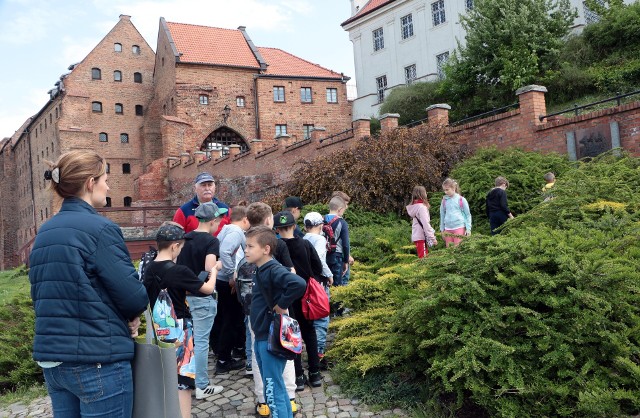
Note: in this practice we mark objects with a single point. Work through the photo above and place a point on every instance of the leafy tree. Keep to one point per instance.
(509, 44)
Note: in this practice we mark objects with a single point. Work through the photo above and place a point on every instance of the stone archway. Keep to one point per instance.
(220, 139)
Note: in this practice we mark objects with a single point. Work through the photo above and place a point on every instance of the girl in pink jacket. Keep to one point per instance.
(422, 234)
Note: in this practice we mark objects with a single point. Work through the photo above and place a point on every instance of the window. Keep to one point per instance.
(589, 15)
(441, 60)
(135, 49)
(468, 4)
(378, 39)
(117, 75)
(204, 99)
(139, 110)
(278, 94)
(406, 24)
(117, 47)
(96, 107)
(240, 101)
(381, 84)
(127, 201)
(281, 130)
(108, 168)
(119, 109)
(307, 131)
(124, 138)
(305, 94)
(108, 205)
(332, 95)
(103, 137)
(96, 74)
(410, 74)
(126, 168)
(137, 77)
(57, 113)
(437, 11)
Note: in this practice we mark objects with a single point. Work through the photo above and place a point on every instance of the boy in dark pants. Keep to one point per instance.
(284, 288)
(309, 267)
(338, 260)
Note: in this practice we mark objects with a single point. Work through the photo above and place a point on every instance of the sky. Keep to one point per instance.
(39, 39)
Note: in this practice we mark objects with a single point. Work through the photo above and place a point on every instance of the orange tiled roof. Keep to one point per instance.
(366, 9)
(207, 45)
(280, 62)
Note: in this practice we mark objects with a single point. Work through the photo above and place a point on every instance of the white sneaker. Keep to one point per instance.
(208, 391)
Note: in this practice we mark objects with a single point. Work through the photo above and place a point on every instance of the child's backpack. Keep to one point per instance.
(328, 233)
(165, 321)
(244, 284)
(445, 207)
(146, 258)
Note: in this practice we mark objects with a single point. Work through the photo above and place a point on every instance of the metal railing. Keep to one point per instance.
(343, 133)
(415, 123)
(486, 114)
(142, 222)
(576, 109)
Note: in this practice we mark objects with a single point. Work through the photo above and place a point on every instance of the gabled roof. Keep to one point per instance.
(371, 6)
(280, 62)
(208, 45)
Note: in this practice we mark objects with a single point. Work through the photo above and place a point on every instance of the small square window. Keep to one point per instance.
(96, 107)
(135, 49)
(108, 205)
(305, 95)
(96, 74)
(117, 47)
(124, 138)
(204, 99)
(332, 95)
(126, 168)
(127, 201)
(410, 74)
(281, 130)
(240, 101)
(104, 137)
(119, 109)
(137, 77)
(307, 131)
(278, 94)
(139, 110)
(117, 75)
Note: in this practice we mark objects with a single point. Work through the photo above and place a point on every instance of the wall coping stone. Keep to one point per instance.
(532, 87)
(439, 106)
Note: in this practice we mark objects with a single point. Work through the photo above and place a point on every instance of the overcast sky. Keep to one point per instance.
(41, 38)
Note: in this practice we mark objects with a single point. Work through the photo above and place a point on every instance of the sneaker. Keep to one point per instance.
(248, 369)
(208, 391)
(262, 409)
(294, 406)
(300, 382)
(239, 353)
(229, 365)
(315, 380)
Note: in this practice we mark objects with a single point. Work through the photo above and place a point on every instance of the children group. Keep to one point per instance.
(229, 275)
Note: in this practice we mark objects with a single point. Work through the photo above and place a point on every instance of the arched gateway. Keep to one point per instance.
(219, 141)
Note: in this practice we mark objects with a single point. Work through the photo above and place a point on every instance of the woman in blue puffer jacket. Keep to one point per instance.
(86, 296)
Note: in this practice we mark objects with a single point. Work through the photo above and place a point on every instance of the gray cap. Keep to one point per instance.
(203, 177)
(209, 211)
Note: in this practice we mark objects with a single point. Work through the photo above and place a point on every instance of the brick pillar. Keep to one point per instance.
(199, 156)
(185, 157)
(283, 140)
(256, 145)
(361, 128)
(317, 133)
(532, 103)
(389, 121)
(234, 149)
(438, 114)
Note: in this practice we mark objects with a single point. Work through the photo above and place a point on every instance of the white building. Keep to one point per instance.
(398, 42)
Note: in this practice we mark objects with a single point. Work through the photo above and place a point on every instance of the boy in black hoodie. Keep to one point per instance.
(284, 287)
(309, 267)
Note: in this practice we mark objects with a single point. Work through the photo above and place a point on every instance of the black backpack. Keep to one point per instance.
(244, 284)
(146, 258)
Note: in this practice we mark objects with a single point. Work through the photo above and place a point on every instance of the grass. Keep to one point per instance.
(23, 395)
(553, 108)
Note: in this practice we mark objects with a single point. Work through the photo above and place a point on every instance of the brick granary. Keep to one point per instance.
(206, 94)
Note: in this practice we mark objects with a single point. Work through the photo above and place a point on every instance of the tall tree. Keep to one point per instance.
(509, 44)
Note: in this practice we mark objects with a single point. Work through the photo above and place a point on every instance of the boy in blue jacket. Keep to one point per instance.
(284, 287)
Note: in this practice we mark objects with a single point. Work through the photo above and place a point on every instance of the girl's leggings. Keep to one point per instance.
(421, 248)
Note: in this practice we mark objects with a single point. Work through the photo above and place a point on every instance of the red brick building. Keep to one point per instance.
(206, 90)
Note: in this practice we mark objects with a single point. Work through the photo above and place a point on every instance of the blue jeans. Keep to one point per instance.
(203, 311)
(271, 369)
(322, 326)
(335, 263)
(90, 390)
(248, 349)
(346, 276)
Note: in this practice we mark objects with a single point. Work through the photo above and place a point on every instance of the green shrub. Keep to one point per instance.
(412, 101)
(617, 30)
(542, 320)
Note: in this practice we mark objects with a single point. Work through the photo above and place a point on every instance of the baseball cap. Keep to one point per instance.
(293, 202)
(170, 232)
(209, 211)
(203, 177)
(283, 219)
(313, 219)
